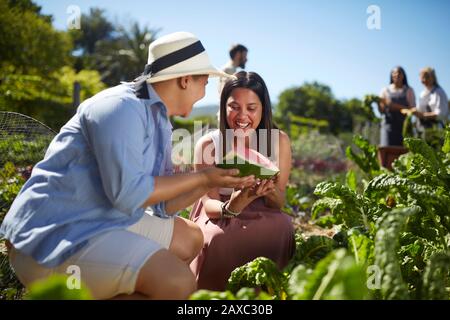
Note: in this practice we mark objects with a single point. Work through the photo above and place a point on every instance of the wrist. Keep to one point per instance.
(226, 212)
(205, 183)
(234, 207)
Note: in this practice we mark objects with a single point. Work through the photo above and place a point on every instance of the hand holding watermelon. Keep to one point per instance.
(249, 162)
(242, 198)
(226, 178)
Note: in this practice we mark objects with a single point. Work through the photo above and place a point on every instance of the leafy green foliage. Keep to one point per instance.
(184, 213)
(118, 53)
(242, 294)
(23, 151)
(351, 181)
(408, 126)
(261, 272)
(35, 66)
(446, 145)
(313, 100)
(46, 97)
(55, 288)
(436, 277)
(399, 221)
(347, 206)
(369, 99)
(366, 159)
(29, 42)
(361, 246)
(309, 251)
(10, 184)
(337, 276)
(389, 227)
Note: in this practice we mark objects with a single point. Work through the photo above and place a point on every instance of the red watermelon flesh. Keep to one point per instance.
(249, 162)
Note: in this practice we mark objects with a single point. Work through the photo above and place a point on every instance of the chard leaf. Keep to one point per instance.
(436, 277)
(386, 246)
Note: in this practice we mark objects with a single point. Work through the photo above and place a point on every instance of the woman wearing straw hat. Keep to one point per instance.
(100, 199)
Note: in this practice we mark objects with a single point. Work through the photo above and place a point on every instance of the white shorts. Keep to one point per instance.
(109, 264)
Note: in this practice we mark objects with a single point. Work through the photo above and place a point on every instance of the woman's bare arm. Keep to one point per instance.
(204, 158)
(276, 199)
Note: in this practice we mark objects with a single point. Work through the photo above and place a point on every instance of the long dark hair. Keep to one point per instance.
(254, 82)
(402, 71)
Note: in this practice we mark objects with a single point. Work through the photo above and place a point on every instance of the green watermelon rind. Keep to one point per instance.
(247, 168)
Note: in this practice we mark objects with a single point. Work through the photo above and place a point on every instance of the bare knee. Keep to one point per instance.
(182, 285)
(164, 276)
(193, 244)
(197, 241)
(187, 240)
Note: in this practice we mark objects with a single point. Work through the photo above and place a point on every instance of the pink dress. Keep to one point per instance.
(259, 231)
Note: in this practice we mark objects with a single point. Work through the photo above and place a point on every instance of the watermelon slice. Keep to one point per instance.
(249, 162)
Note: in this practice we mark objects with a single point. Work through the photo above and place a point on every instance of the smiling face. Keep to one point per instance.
(244, 109)
(424, 78)
(397, 77)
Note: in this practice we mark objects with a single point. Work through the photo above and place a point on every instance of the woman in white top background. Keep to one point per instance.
(433, 102)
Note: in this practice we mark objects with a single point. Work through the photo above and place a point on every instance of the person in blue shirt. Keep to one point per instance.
(103, 201)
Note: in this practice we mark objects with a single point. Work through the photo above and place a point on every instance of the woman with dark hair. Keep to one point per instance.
(395, 98)
(241, 225)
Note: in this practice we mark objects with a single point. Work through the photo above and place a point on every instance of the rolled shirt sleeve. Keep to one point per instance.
(115, 130)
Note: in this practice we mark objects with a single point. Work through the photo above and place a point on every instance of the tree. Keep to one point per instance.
(28, 41)
(28, 5)
(118, 53)
(314, 100)
(36, 77)
(94, 27)
(124, 58)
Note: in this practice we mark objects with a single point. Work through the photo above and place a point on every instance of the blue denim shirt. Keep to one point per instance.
(95, 176)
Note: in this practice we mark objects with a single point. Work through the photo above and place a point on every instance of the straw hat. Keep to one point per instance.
(176, 55)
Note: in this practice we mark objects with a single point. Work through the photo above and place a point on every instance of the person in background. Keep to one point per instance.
(238, 59)
(240, 225)
(394, 98)
(433, 102)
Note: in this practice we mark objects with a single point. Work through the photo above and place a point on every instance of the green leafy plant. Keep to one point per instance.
(399, 221)
(369, 99)
(386, 246)
(10, 184)
(261, 273)
(55, 288)
(366, 158)
(436, 277)
(337, 276)
(22, 150)
(309, 251)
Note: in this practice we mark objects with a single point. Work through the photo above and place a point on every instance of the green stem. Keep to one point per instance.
(355, 250)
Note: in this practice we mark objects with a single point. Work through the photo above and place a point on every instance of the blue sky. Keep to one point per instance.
(291, 42)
